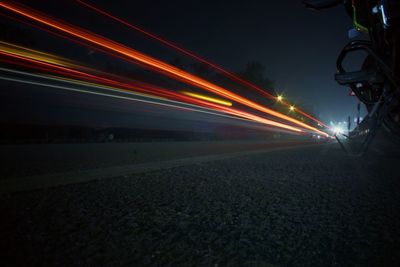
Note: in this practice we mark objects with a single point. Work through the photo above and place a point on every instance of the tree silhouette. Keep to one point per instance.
(201, 70)
(255, 73)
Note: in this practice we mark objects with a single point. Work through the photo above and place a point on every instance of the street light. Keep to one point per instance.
(279, 98)
(291, 108)
(337, 130)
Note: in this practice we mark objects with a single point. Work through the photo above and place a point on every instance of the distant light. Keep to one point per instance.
(319, 137)
(355, 119)
(279, 98)
(292, 108)
(337, 130)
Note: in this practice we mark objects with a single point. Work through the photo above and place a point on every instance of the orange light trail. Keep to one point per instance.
(157, 64)
(193, 55)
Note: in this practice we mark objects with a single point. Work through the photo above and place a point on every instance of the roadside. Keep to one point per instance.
(31, 167)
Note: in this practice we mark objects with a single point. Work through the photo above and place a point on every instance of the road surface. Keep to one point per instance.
(307, 206)
(33, 166)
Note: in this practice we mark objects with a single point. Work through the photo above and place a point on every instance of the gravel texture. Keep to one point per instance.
(302, 207)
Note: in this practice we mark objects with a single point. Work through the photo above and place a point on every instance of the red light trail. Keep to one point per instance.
(192, 55)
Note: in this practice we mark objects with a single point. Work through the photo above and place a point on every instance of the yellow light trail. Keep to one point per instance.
(208, 98)
(36, 55)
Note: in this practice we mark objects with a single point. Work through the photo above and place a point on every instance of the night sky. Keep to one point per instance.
(297, 46)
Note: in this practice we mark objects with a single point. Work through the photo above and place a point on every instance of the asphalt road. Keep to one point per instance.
(24, 160)
(300, 207)
(35, 166)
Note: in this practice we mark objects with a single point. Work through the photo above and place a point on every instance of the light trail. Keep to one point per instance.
(199, 103)
(208, 98)
(104, 94)
(34, 54)
(198, 58)
(152, 62)
(229, 111)
(34, 60)
(46, 66)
